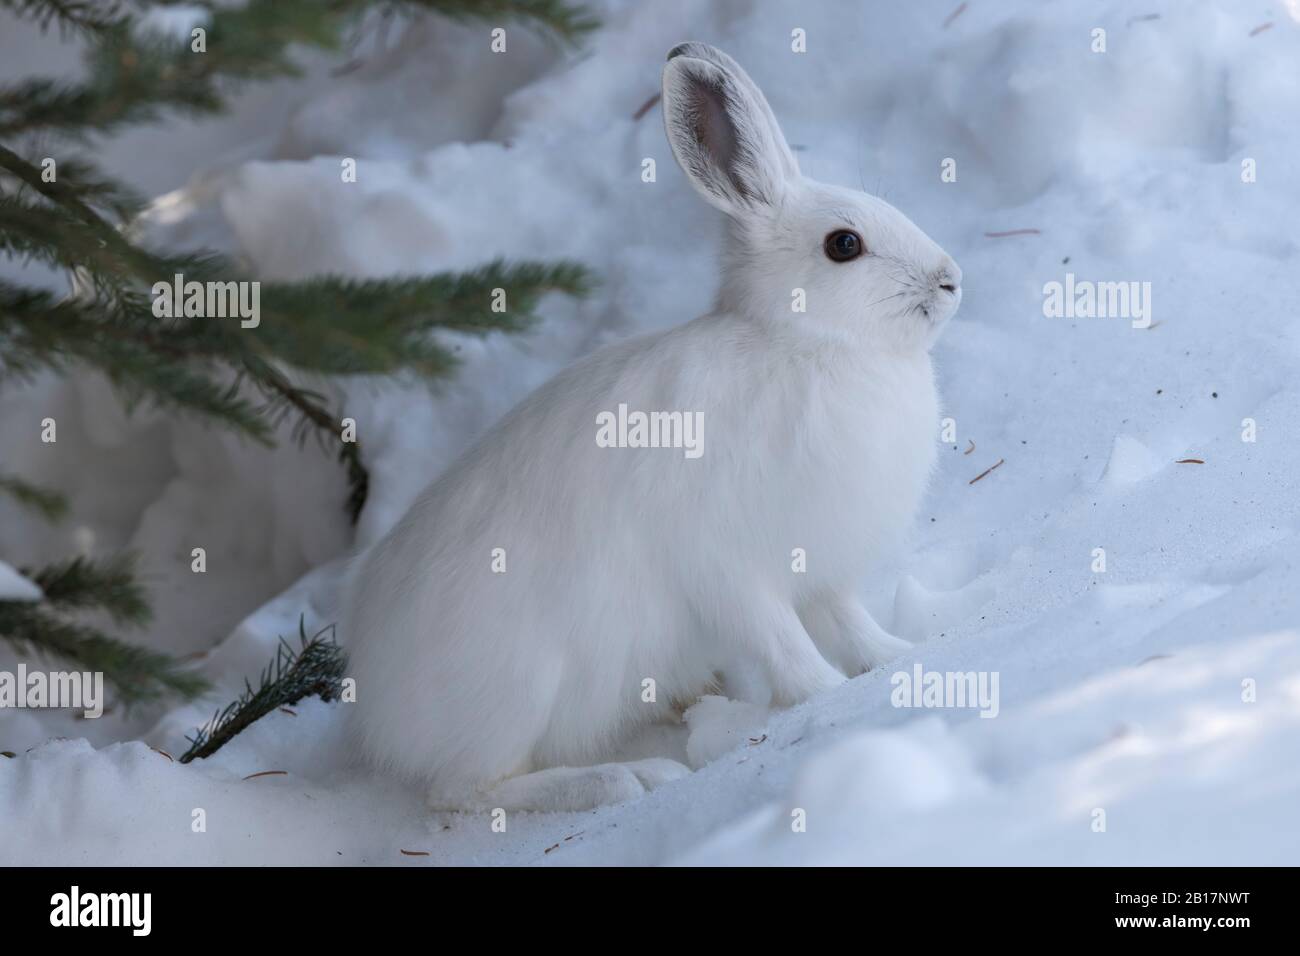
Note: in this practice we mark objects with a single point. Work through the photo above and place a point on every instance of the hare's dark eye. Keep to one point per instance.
(843, 245)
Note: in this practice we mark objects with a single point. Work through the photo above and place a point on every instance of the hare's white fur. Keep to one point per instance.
(623, 564)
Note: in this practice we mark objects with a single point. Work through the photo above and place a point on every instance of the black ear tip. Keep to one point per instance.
(689, 48)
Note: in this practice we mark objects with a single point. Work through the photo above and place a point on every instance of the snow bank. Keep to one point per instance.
(1162, 691)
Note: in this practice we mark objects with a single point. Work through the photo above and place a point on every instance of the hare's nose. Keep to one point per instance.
(948, 277)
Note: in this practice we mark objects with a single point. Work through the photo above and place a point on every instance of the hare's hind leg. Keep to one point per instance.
(653, 772)
(568, 789)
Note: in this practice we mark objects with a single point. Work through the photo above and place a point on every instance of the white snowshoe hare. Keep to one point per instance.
(501, 678)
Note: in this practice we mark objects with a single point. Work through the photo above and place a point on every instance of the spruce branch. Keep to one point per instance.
(108, 585)
(171, 367)
(83, 180)
(73, 195)
(329, 325)
(86, 16)
(284, 398)
(49, 504)
(137, 674)
(383, 326)
(136, 77)
(42, 232)
(51, 628)
(316, 668)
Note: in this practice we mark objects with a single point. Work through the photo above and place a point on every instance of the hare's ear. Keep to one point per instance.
(721, 135)
(702, 51)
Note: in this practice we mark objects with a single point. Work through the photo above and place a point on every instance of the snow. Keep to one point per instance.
(15, 587)
(174, 22)
(1163, 691)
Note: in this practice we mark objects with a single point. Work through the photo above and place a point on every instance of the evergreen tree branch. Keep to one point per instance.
(49, 627)
(88, 183)
(316, 668)
(50, 504)
(87, 16)
(46, 233)
(381, 326)
(108, 585)
(283, 397)
(135, 78)
(137, 674)
(372, 326)
(70, 197)
(37, 331)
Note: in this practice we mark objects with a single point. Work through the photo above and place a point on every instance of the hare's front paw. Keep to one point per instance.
(815, 679)
(848, 634)
(772, 635)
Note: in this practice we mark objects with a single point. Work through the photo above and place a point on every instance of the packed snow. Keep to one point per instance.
(1147, 713)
